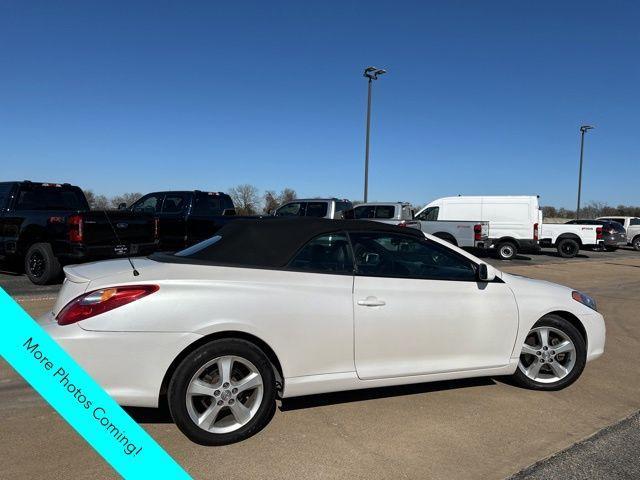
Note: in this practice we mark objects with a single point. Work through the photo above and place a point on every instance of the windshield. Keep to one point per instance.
(193, 249)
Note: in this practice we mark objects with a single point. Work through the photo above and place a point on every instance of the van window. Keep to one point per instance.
(429, 214)
(634, 222)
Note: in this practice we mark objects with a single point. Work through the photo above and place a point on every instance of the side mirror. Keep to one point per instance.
(122, 206)
(485, 274)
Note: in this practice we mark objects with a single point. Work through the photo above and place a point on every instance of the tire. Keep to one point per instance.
(506, 250)
(635, 243)
(237, 415)
(568, 248)
(611, 249)
(538, 369)
(41, 265)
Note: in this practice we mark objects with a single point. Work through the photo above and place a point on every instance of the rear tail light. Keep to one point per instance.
(535, 232)
(477, 232)
(156, 228)
(599, 233)
(101, 301)
(76, 227)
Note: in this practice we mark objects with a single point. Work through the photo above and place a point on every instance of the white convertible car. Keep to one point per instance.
(289, 307)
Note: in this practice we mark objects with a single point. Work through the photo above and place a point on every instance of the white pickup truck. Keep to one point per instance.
(569, 239)
(464, 234)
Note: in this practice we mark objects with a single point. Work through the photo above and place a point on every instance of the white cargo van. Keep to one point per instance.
(513, 220)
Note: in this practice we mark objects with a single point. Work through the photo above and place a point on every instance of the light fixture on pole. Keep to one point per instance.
(372, 74)
(583, 130)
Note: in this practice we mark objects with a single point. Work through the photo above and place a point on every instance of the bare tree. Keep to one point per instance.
(245, 198)
(271, 202)
(96, 202)
(287, 195)
(127, 198)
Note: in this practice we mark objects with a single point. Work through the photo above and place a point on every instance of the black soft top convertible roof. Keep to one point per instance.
(272, 242)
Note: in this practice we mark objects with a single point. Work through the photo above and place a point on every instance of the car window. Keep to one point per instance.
(150, 203)
(385, 211)
(174, 203)
(326, 253)
(407, 213)
(40, 197)
(295, 209)
(364, 211)
(634, 222)
(5, 188)
(317, 209)
(429, 214)
(618, 220)
(403, 256)
(342, 206)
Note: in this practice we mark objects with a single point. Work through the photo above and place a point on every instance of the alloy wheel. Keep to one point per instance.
(37, 264)
(224, 394)
(548, 355)
(569, 248)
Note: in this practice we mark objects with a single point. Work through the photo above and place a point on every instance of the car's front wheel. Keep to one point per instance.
(553, 355)
(222, 392)
(636, 243)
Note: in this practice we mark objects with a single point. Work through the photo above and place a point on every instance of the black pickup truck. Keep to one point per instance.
(48, 225)
(186, 217)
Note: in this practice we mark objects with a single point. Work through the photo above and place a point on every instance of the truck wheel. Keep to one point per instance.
(41, 265)
(636, 243)
(568, 248)
(507, 250)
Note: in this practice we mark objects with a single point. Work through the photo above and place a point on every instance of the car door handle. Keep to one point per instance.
(371, 302)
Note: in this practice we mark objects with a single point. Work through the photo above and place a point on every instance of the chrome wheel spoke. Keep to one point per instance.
(529, 349)
(544, 337)
(559, 370)
(208, 418)
(249, 382)
(198, 387)
(564, 347)
(241, 413)
(534, 369)
(225, 364)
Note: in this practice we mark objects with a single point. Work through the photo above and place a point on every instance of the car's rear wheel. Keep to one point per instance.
(553, 355)
(41, 265)
(506, 250)
(222, 392)
(636, 243)
(568, 248)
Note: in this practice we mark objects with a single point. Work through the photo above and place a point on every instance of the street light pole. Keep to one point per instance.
(372, 74)
(583, 130)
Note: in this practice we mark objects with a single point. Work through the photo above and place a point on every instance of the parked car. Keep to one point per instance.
(48, 225)
(314, 207)
(185, 217)
(613, 234)
(513, 220)
(631, 225)
(568, 239)
(297, 307)
(457, 232)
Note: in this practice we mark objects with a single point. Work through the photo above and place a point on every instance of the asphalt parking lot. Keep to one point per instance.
(481, 428)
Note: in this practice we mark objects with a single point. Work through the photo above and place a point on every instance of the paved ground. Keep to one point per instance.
(613, 452)
(482, 428)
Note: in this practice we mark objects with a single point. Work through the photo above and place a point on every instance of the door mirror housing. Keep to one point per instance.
(485, 273)
(122, 206)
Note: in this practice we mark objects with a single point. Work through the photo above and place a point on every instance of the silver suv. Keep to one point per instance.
(314, 207)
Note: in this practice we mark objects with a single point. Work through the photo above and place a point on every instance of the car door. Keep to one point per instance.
(418, 309)
(173, 224)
